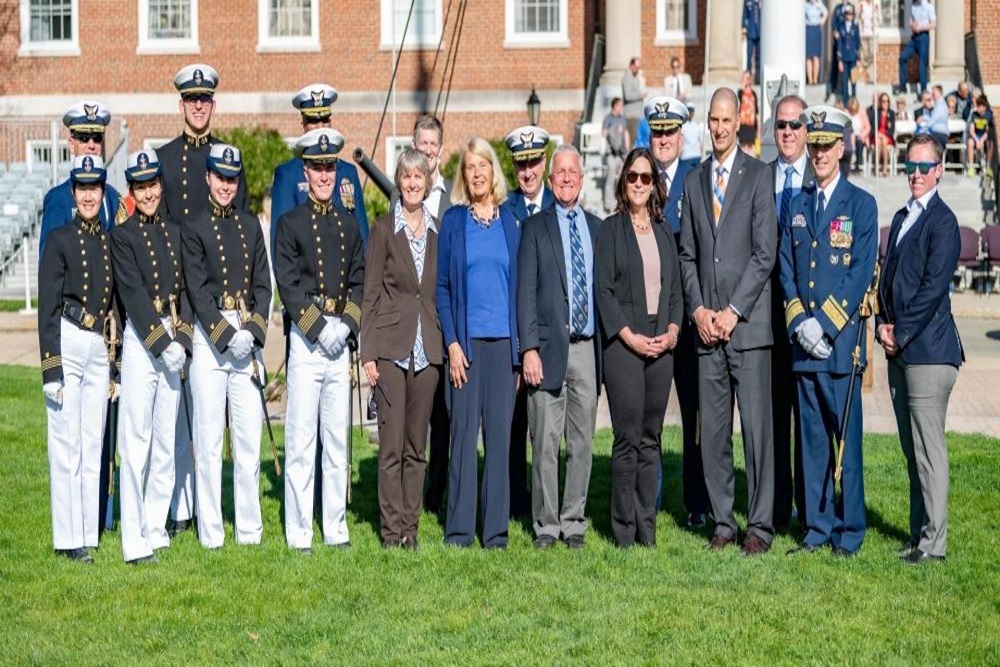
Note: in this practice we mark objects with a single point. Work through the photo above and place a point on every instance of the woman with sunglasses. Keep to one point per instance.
(882, 132)
(639, 298)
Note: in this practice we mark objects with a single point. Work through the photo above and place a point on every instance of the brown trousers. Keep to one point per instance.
(404, 402)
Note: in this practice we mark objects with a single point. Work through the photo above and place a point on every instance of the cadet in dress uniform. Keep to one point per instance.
(227, 274)
(828, 253)
(291, 187)
(86, 122)
(74, 306)
(527, 151)
(319, 268)
(183, 158)
(666, 117)
(146, 257)
(848, 52)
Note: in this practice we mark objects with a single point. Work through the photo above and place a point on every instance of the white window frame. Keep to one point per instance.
(894, 35)
(388, 41)
(171, 45)
(545, 40)
(69, 47)
(62, 146)
(394, 145)
(688, 36)
(268, 44)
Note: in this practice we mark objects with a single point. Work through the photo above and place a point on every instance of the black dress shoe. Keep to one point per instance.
(145, 560)
(574, 541)
(410, 543)
(544, 542)
(841, 552)
(180, 527)
(906, 549)
(917, 556)
(696, 520)
(804, 547)
(80, 555)
(391, 544)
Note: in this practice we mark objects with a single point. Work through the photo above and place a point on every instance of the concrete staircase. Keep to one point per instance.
(961, 193)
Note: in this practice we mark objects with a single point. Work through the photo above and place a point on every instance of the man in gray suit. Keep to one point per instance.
(560, 352)
(728, 248)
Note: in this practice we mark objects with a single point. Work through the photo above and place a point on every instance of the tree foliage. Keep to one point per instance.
(262, 150)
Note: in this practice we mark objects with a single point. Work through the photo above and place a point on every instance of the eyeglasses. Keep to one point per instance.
(794, 124)
(86, 137)
(924, 167)
(633, 176)
(195, 99)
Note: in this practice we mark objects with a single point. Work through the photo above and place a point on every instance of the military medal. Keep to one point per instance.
(347, 194)
(834, 259)
(847, 259)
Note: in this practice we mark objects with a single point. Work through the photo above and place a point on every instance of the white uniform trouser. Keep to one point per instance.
(214, 377)
(182, 501)
(76, 438)
(319, 388)
(146, 420)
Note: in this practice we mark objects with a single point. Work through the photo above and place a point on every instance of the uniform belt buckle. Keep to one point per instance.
(88, 320)
(229, 302)
(158, 304)
(330, 305)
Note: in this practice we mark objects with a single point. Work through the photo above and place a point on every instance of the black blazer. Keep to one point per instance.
(621, 286)
(543, 297)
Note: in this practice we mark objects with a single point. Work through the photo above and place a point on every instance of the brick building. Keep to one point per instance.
(474, 63)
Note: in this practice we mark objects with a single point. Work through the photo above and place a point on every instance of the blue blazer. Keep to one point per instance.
(849, 43)
(672, 207)
(827, 265)
(291, 188)
(515, 201)
(913, 290)
(453, 290)
(59, 208)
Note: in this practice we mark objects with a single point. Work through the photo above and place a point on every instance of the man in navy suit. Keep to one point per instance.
(828, 253)
(917, 331)
(666, 116)
(751, 31)
(527, 151)
(848, 47)
(558, 330)
(290, 185)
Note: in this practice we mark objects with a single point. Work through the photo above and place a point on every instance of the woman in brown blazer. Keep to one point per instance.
(401, 346)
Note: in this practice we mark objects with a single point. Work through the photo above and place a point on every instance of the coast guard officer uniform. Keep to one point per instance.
(848, 47)
(74, 306)
(146, 257)
(319, 268)
(185, 192)
(87, 122)
(527, 145)
(226, 272)
(291, 188)
(828, 253)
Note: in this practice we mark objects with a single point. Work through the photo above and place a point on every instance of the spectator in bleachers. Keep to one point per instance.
(616, 139)
(693, 132)
(677, 84)
(861, 130)
(982, 128)
(870, 18)
(882, 132)
(932, 117)
(902, 112)
(749, 128)
(923, 19)
(965, 101)
(952, 106)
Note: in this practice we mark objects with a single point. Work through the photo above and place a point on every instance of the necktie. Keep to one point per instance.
(665, 177)
(786, 196)
(821, 206)
(677, 87)
(532, 208)
(719, 192)
(579, 276)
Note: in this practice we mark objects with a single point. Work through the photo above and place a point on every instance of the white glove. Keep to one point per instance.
(173, 357)
(53, 392)
(810, 333)
(822, 349)
(341, 331)
(241, 345)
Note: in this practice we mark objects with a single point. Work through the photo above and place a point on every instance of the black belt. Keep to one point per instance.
(229, 302)
(79, 316)
(327, 304)
(577, 338)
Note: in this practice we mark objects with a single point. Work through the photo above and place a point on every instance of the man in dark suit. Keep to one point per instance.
(828, 253)
(917, 331)
(666, 116)
(728, 243)
(792, 173)
(527, 150)
(560, 351)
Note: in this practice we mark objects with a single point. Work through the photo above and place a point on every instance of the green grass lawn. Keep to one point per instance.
(675, 604)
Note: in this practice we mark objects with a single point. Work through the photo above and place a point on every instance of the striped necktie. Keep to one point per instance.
(579, 276)
(532, 208)
(786, 196)
(719, 192)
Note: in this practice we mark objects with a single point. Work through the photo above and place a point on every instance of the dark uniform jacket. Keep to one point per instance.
(827, 265)
(319, 266)
(291, 189)
(225, 260)
(146, 258)
(75, 280)
(519, 207)
(59, 209)
(185, 190)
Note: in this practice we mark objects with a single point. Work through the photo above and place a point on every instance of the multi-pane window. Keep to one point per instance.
(894, 14)
(675, 15)
(535, 16)
(169, 19)
(676, 22)
(289, 18)
(50, 20)
(424, 28)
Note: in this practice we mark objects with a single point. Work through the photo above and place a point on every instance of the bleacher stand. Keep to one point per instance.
(21, 194)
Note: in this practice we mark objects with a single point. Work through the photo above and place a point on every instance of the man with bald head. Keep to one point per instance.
(728, 249)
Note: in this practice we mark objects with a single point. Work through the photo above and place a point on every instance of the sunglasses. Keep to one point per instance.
(923, 167)
(794, 124)
(634, 176)
(195, 99)
(85, 137)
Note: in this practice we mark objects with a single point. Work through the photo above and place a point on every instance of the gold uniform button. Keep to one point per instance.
(812, 304)
(844, 303)
(814, 244)
(812, 265)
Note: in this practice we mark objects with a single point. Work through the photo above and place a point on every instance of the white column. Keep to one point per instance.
(782, 48)
(623, 39)
(948, 57)
(725, 44)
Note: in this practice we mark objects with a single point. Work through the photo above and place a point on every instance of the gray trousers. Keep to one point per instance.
(570, 411)
(920, 400)
(725, 374)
